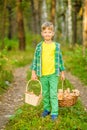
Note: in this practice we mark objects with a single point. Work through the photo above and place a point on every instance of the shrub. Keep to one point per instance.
(5, 71)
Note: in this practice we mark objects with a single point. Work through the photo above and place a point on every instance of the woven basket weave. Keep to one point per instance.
(66, 102)
(31, 98)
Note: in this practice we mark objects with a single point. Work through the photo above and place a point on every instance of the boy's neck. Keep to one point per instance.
(48, 41)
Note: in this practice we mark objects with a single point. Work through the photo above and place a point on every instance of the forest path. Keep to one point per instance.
(80, 86)
(13, 98)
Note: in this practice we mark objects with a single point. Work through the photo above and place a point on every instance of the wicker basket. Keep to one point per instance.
(67, 102)
(30, 97)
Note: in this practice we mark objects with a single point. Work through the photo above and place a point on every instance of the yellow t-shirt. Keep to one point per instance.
(48, 58)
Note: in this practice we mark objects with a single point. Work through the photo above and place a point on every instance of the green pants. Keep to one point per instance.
(49, 92)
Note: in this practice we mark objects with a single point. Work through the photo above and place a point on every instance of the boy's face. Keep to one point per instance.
(47, 34)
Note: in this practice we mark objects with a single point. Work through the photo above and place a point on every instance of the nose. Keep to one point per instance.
(47, 34)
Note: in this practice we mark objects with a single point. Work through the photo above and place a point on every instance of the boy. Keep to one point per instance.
(47, 64)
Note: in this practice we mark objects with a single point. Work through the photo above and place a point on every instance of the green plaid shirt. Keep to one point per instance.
(36, 65)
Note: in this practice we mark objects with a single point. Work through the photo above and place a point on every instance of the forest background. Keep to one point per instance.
(20, 22)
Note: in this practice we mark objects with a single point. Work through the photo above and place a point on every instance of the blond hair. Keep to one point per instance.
(48, 25)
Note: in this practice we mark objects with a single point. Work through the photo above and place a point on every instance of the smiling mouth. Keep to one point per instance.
(47, 36)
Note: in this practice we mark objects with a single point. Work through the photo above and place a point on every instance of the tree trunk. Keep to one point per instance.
(69, 22)
(56, 20)
(10, 22)
(3, 24)
(35, 15)
(53, 11)
(44, 11)
(34, 29)
(36, 7)
(84, 26)
(74, 23)
(39, 14)
(21, 33)
(66, 23)
(62, 18)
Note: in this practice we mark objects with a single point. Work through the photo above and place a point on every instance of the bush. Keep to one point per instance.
(5, 71)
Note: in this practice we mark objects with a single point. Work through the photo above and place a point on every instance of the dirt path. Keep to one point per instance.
(78, 85)
(13, 98)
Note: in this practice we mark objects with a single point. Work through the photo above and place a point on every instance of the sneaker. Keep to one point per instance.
(54, 117)
(45, 113)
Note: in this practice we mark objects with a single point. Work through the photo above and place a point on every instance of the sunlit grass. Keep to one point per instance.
(11, 57)
(29, 117)
(75, 62)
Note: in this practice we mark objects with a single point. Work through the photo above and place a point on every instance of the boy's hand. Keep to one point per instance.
(34, 76)
(62, 75)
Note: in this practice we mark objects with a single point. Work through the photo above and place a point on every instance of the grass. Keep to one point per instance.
(6, 75)
(28, 117)
(76, 63)
(9, 60)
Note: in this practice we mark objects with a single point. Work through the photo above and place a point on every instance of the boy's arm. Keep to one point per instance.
(33, 75)
(62, 75)
(62, 68)
(34, 66)
(34, 63)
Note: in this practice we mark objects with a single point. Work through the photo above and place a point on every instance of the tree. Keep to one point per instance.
(63, 22)
(21, 33)
(74, 21)
(36, 11)
(53, 11)
(84, 26)
(69, 22)
(10, 21)
(56, 20)
(44, 11)
(3, 23)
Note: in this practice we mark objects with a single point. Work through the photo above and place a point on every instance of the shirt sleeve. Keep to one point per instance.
(34, 62)
(61, 66)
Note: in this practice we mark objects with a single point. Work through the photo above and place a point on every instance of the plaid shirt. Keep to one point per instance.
(36, 65)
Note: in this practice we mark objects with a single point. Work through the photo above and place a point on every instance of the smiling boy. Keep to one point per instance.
(48, 65)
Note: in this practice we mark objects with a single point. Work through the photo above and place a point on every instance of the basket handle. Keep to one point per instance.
(62, 84)
(34, 80)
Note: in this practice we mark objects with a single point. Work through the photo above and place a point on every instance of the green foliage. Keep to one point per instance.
(15, 58)
(5, 72)
(28, 117)
(13, 43)
(32, 40)
(20, 59)
(76, 63)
